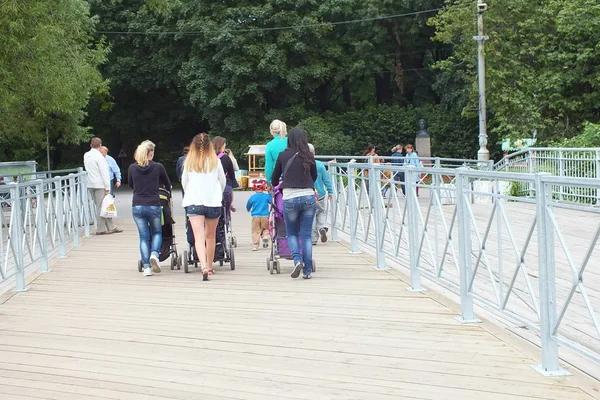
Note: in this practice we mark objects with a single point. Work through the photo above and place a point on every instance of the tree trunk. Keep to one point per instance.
(383, 87)
(322, 97)
(346, 94)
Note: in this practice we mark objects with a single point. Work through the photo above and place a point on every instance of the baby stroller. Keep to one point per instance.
(279, 248)
(223, 246)
(168, 247)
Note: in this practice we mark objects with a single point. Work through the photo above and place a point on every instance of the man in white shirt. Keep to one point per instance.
(99, 184)
(113, 168)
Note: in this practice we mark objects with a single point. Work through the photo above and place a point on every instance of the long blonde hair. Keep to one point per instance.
(202, 157)
(278, 127)
(142, 152)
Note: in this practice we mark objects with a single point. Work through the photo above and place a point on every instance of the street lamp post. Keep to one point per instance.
(483, 154)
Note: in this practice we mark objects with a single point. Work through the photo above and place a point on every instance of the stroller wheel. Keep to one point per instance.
(233, 242)
(186, 261)
(231, 260)
(272, 270)
(220, 263)
(140, 266)
(278, 267)
(314, 266)
(268, 263)
(173, 261)
(179, 262)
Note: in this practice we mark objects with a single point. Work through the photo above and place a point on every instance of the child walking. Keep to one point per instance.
(258, 206)
(323, 188)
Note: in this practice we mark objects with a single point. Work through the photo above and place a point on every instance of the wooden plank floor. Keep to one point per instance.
(95, 328)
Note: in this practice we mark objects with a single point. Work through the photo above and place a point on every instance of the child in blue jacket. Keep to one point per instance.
(258, 206)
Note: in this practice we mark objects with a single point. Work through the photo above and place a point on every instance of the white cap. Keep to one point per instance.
(311, 148)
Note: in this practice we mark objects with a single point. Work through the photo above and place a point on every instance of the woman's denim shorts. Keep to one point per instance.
(206, 212)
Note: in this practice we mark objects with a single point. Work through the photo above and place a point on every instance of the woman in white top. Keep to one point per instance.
(203, 182)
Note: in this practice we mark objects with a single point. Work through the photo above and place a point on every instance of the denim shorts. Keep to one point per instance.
(206, 212)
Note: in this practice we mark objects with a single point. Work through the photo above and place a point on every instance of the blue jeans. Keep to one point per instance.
(148, 221)
(299, 214)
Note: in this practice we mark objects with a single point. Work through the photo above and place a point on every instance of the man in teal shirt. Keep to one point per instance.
(279, 143)
(322, 187)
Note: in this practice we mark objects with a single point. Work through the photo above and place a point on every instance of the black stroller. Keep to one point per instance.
(168, 247)
(224, 244)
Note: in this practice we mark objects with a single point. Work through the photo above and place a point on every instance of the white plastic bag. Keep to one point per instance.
(108, 210)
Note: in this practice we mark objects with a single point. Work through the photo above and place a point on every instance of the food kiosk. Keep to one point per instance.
(256, 170)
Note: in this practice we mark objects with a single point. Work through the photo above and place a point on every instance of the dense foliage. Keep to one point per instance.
(543, 63)
(176, 68)
(48, 68)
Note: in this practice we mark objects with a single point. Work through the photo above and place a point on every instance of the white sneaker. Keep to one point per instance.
(154, 261)
(255, 249)
(297, 269)
(147, 271)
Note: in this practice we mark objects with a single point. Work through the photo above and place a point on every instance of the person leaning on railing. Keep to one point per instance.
(398, 160)
(412, 160)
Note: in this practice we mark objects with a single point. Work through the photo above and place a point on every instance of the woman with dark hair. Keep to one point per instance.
(297, 166)
(369, 152)
(220, 144)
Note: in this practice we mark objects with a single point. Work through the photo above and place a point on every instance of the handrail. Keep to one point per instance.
(466, 230)
(40, 218)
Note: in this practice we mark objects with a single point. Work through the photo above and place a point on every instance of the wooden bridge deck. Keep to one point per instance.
(94, 328)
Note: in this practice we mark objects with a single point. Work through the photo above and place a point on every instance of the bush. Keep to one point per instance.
(589, 137)
(325, 133)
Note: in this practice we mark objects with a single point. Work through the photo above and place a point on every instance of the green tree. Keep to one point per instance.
(48, 69)
(541, 59)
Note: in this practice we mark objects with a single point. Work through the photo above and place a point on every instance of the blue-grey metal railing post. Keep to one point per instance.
(74, 209)
(352, 210)
(413, 233)
(377, 205)
(437, 179)
(561, 172)
(597, 176)
(16, 238)
(334, 204)
(547, 281)
(60, 218)
(41, 226)
(465, 259)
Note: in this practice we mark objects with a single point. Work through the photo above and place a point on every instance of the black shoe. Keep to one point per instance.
(323, 232)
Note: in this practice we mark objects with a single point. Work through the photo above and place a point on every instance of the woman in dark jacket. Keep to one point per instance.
(297, 166)
(220, 145)
(145, 177)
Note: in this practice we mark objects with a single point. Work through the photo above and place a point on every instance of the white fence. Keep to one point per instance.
(562, 162)
(41, 218)
(533, 260)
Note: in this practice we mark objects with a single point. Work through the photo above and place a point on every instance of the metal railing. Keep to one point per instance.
(562, 162)
(41, 218)
(459, 227)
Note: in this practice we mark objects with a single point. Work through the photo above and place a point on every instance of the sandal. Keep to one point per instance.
(204, 275)
(103, 233)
